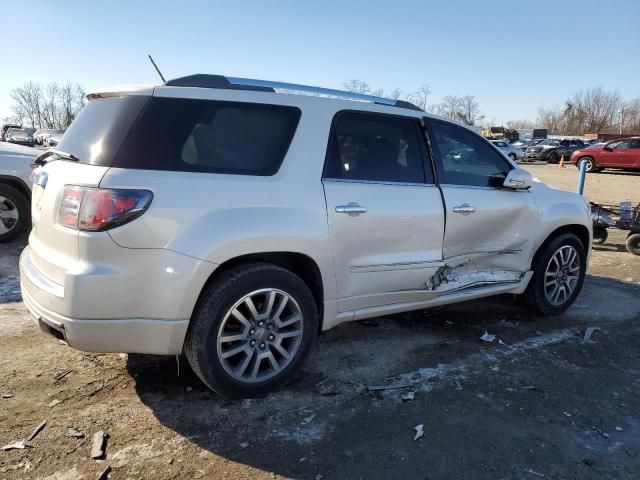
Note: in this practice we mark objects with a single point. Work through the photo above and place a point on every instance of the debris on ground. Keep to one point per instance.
(419, 431)
(62, 374)
(619, 429)
(533, 472)
(408, 396)
(487, 337)
(500, 342)
(53, 403)
(528, 387)
(393, 386)
(588, 333)
(105, 473)
(98, 445)
(188, 389)
(566, 414)
(36, 430)
(72, 432)
(7, 395)
(309, 419)
(244, 444)
(17, 445)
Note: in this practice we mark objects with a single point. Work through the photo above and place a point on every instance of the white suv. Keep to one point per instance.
(235, 219)
(15, 189)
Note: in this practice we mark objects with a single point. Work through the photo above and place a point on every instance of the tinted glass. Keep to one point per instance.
(209, 136)
(97, 132)
(634, 144)
(376, 148)
(619, 144)
(466, 158)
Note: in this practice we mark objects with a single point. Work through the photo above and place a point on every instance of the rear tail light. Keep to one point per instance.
(98, 209)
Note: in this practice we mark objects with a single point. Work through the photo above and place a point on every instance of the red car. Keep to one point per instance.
(623, 153)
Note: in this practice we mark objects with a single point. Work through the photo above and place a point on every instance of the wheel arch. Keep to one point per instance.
(579, 230)
(18, 184)
(300, 264)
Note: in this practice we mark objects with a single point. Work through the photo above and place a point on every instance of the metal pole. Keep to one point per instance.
(582, 176)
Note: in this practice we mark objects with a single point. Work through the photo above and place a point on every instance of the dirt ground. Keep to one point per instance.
(541, 403)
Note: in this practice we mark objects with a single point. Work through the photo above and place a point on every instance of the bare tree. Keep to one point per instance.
(449, 106)
(469, 110)
(51, 106)
(419, 98)
(357, 86)
(378, 92)
(395, 94)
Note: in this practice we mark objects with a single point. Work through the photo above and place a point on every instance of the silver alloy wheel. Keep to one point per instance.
(8, 215)
(562, 275)
(260, 335)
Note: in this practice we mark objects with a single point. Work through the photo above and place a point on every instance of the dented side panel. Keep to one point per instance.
(490, 245)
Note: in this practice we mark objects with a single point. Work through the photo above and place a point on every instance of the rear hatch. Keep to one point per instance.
(84, 155)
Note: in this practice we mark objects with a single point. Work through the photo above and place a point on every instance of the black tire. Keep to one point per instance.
(591, 164)
(534, 296)
(217, 299)
(553, 158)
(513, 157)
(600, 235)
(633, 243)
(14, 198)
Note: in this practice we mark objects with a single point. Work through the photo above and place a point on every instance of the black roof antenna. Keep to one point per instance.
(157, 69)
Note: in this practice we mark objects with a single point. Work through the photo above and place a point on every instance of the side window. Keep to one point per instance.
(209, 136)
(465, 158)
(634, 143)
(376, 148)
(619, 145)
(564, 143)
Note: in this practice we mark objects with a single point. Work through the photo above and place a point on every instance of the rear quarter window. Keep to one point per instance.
(210, 137)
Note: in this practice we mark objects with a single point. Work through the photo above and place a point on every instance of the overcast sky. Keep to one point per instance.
(513, 56)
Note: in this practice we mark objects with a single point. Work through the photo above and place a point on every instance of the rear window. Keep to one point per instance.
(97, 132)
(209, 136)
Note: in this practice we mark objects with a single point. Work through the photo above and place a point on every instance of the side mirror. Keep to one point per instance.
(518, 179)
(608, 148)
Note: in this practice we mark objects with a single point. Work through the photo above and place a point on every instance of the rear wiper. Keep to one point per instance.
(54, 151)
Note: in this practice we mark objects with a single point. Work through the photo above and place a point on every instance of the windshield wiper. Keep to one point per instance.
(54, 151)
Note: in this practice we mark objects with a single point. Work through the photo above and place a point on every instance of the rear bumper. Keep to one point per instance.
(160, 337)
(140, 302)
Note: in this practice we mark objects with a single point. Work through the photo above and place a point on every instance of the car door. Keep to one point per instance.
(629, 154)
(489, 229)
(611, 154)
(633, 154)
(385, 213)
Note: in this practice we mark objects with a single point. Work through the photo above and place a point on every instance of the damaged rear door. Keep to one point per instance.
(489, 229)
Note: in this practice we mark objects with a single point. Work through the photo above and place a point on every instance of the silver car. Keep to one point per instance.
(511, 151)
(233, 220)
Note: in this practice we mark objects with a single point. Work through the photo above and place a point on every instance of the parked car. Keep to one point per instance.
(514, 153)
(623, 154)
(15, 190)
(5, 128)
(40, 134)
(19, 136)
(53, 139)
(552, 151)
(233, 220)
(48, 134)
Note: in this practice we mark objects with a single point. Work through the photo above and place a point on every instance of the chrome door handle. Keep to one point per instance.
(464, 209)
(352, 209)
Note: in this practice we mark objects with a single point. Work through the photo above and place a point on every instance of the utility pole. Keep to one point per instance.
(621, 119)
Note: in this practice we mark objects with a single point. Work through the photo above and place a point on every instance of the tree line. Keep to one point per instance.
(462, 108)
(48, 105)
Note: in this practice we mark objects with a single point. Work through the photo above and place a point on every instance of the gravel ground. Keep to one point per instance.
(544, 402)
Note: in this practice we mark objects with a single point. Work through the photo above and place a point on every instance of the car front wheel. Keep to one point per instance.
(633, 243)
(559, 271)
(252, 330)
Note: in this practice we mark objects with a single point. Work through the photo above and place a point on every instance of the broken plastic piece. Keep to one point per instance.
(408, 396)
(98, 445)
(419, 431)
(589, 332)
(487, 337)
(17, 445)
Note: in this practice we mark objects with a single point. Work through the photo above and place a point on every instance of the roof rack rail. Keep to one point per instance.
(236, 83)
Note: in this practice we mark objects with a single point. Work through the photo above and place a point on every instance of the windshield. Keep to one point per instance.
(549, 142)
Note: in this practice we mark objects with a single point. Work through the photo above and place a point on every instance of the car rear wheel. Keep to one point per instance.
(552, 158)
(591, 164)
(559, 271)
(14, 213)
(633, 243)
(252, 330)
